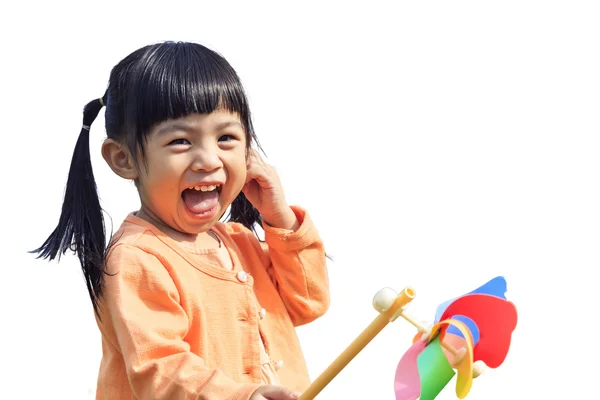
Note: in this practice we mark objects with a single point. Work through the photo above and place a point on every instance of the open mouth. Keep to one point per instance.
(202, 199)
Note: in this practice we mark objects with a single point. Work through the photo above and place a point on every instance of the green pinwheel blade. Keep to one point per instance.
(434, 370)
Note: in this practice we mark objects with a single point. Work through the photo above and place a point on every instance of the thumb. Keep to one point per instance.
(279, 393)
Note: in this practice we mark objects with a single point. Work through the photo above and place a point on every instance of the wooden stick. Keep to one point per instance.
(358, 344)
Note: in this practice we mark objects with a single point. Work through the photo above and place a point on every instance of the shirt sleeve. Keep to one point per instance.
(298, 268)
(141, 303)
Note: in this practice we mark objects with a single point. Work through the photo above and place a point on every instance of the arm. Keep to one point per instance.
(141, 302)
(298, 268)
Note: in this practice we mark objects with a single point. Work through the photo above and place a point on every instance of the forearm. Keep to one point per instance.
(299, 269)
(182, 376)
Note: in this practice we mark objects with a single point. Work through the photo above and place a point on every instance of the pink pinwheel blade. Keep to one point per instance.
(407, 384)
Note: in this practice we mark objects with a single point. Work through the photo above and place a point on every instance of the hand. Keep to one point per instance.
(264, 190)
(272, 392)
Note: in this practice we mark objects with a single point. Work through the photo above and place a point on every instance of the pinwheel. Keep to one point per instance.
(476, 327)
(468, 333)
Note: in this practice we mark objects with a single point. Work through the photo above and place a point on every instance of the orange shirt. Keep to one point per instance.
(269, 370)
(177, 325)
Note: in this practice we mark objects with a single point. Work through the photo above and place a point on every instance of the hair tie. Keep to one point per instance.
(101, 101)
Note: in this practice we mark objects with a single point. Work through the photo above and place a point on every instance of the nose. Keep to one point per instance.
(206, 160)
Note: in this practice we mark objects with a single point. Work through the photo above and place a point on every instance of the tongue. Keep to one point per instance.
(200, 202)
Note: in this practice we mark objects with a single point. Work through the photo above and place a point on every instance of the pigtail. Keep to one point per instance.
(243, 212)
(81, 224)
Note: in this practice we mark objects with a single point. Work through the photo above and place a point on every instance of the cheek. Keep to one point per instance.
(237, 163)
(160, 179)
(236, 171)
(242, 169)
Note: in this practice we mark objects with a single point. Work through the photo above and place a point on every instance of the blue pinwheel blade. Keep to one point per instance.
(495, 287)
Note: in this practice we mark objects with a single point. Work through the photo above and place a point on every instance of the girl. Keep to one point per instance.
(190, 307)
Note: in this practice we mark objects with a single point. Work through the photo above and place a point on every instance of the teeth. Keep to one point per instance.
(208, 188)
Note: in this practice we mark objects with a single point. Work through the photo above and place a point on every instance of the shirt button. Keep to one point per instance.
(262, 313)
(242, 276)
(279, 364)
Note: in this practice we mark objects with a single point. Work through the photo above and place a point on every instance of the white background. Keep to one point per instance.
(436, 145)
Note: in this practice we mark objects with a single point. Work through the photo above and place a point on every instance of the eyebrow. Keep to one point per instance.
(183, 126)
(227, 124)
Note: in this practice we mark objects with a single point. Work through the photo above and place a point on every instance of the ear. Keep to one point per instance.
(119, 159)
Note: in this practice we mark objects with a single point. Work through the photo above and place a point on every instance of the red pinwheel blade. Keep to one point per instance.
(496, 319)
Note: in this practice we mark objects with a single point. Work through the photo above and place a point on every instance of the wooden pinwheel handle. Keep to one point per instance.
(384, 317)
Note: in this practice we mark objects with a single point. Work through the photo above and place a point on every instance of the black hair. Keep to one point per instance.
(157, 82)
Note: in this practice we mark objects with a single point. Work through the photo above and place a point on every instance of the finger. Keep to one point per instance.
(249, 158)
(253, 172)
(257, 172)
(250, 188)
(257, 158)
(253, 157)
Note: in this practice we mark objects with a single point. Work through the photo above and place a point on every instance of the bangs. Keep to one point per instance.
(173, 80)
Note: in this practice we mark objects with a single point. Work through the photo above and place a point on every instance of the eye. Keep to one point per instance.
(179, 142)
(226, 138)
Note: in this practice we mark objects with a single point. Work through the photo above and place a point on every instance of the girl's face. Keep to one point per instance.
(196, 166)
